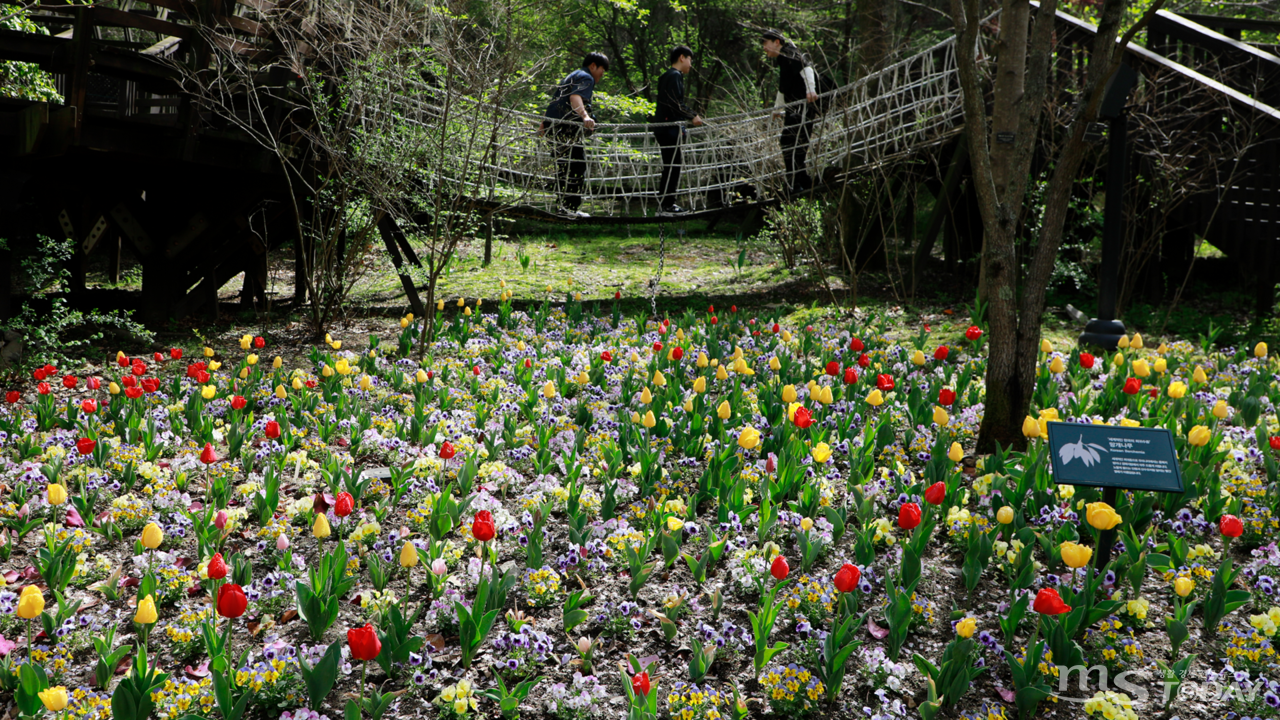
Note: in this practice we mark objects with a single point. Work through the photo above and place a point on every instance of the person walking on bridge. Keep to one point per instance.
(672, 111)
(568, 122)
(797, 81)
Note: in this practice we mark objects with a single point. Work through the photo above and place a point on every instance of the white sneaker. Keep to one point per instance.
(571, 214)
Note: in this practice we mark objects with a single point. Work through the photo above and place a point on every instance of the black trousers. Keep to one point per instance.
(796, 130)
(672, 161)
(571, 166)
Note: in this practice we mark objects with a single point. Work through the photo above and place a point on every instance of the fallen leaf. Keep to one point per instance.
(200, 671)
(435, 640)
(1006, 694)
(288, 615)
(876, 631)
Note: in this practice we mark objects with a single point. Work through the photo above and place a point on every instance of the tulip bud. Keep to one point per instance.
(1030, 427)
(1220, 410)
(1183, 586)
(1056, 366)
(956, 453)
(549, 390)
(1005, 515)
(408, 555)
(220, 520)
(1260, 350)
(321, 527)
(282, 542)
(724, 412)
(646, 397)
(1199, 376)
(438, 567)
(1123, 342)
(152, 536)
(649, 420)
(940, 416)
(1046, 346)
(1136, 342)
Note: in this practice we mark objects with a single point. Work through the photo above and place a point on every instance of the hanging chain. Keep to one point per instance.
(657, 277)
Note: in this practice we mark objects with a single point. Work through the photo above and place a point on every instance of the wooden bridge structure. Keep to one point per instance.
(128, 162)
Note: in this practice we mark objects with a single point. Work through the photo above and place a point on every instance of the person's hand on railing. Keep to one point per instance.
(589, 123)
(811, 97)
(696, 121)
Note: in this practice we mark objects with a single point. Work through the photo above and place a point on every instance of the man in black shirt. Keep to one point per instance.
(796, 81)
(671, 109)
(568, 116)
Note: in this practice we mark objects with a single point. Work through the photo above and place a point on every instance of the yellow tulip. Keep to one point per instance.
(1162, 349)
(404, 321)
(721, 373)
(281, 393)
(439, 305)
(1141, 368)
(1046, 346)
(420, 377)
(679, 334)
(343, 367)
(1260, 350)
(940, 416)
(113, 388)
(1220, 410)
(688, 404)
(646, 397)
(277, 362)
(297, 384)
(1177, 390)
(1123, 343)
(674, 523)
(956, 453)
(56, 494)
(252, 359)
(30, 603)
(214, 365)
(824, 396)
(54, 698)
(520, 346)
(325, 371)
(328, 339)
(917, 358)
(246, 342)
(152, 536)
(1199, 436)
(786, 336)
(723, 411)
(1101, 515)
(549, 390)
(966, 627)
(1183, 586)
(365, 383)
(774, 364)
(806, 524)
(821, 452)
(649, 420)
(1129, 422)
(321, 527)
(1005, 515)
(1075, 555)
(466, 311)
(583, 377)
(1136, 342)
(1118, 360)
(408, 555)
(748, 438)
(462, 302)
(1056, 366)
(875, 398)
(702, 360)
(146, 614)
(789, 394)
(244, 373)
(1160, 365)
(208, 352)
(1198, 376)
(208, 391)
(1030, 427)
(659, 379)
(700, 385)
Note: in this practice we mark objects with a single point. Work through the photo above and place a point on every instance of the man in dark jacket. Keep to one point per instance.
(671, 109)
(797, 81)
(568, 116)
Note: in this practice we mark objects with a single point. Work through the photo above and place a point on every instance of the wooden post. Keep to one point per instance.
(1107, 539)
(113, 258)
(78, 78)
(390, 233)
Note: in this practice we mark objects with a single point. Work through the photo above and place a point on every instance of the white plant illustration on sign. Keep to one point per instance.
(1087, 452)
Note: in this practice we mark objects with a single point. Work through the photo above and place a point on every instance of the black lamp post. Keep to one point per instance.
(1105, 330)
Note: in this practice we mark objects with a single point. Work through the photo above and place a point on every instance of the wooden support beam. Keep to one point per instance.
(95, 233)
(195, 227)
(941, 211)
(132, 229)
(113, 246)
(78, 79)
(392, 236)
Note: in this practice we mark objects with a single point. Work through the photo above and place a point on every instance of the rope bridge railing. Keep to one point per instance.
(875, 120)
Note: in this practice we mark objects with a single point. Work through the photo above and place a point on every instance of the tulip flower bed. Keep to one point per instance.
(563, 515)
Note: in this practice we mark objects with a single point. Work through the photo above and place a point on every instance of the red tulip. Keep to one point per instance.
(1230, 526)
(617, 294)
(43, 388)
(139, 368)
(231, 600)
(217, 568)
(1132, 386)
(640, 684)
(733, 308)
(946, 396)
(803, 418)
(850, 376)
(133, 393)
(884, 382)
(847, 578)
(85, 446)
(238, 403)
(475, 370)
(220, 520)
(771, 463)
(128, 381)
(50, 370)
(714, 320)
(89, 406)
(93, 383)
(38, 374)
(159, 357)
(936, 493)
(447, 451)
(69, 381)
(1154, 392)
(311, 384)
(940, 353)
(908, 516)
(482, 526)
(202, 376)
(1086, 361)
(657, 346)
(606, 356)
(1048, 602)
(776, 328)
(364, 643)
(863, 360)
(527, 364)
(1275, 442)
(175, 353)
(711, 309)
(677, 353)
(13, 396)
(151, 384)
(344, 504)
(206, 456)
(833, 368)
(272, 430)
(259, 342)
(973, 333)
(779, 569)
(122, 361)
(856, 345)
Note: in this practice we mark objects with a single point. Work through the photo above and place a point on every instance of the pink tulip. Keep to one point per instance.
(220, 520)
(438, 566)
(282, 542)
